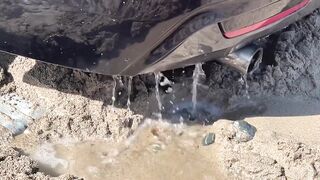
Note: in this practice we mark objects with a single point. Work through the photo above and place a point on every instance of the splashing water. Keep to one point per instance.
(157, 78)
(119, 78)
(129, 92)
(198, 71)
(114, 90)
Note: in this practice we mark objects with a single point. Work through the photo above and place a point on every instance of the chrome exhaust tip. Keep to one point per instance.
(245, 60)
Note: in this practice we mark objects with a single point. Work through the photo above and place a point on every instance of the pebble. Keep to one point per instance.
(244, 131)
(209, 139)
(156, 147)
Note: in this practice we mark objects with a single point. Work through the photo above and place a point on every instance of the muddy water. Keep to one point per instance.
(158, 150)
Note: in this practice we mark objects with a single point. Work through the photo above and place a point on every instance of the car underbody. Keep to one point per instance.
(115, 37)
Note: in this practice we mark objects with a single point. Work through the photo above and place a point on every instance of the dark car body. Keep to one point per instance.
(131, 37)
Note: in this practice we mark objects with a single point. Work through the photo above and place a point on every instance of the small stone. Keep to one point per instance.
(156, 147)
(244, 131)
(209, 139)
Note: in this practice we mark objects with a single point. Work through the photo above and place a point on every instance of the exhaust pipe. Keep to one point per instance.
(245, 60)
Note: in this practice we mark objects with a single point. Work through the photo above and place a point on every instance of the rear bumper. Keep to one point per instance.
(210, 43)
(135, 37)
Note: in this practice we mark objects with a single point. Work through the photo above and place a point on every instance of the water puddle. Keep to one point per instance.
(158, 150)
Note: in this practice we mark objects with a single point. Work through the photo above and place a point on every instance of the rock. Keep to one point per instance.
(156, 147)
(209, 139)
(244, 132)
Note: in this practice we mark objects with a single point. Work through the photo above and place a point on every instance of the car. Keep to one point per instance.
(131, 37)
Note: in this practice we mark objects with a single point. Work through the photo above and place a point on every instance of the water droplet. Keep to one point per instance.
(244, 81)
(129, 91)
(114, 90)
(157, 78)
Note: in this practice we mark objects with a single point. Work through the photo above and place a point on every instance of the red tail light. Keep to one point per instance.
(266, 22)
